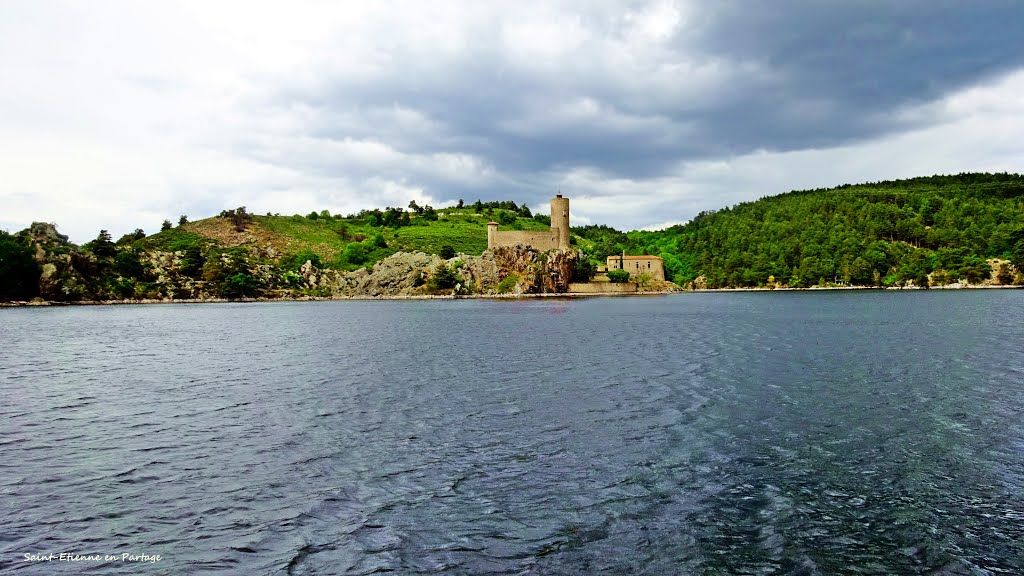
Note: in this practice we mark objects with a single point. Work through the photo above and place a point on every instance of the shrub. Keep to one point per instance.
(355, 253)
(941, 278)
(508, 284)
(127, 264)
(447, 252)
(584, 271)
(1003, 274)
(618, 276)
(445, 277)
(239, 217)
(505, 217)
(123, 287)
(241, 285)
(193, 261)
(138, 234)
(19, 272)
(295, 261)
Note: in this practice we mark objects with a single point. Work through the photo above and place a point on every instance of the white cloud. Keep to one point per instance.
(117, 115)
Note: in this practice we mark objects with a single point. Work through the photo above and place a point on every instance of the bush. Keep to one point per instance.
(19, 272)
(508, 284)
(584, 271)
(355, 253)
(1003, 274)
(241, 285)
(239, 217)
(618, 276)
(447, 252)
(123, 287)
(127, 264)
(138, 234)
(445, 277)
(505, 217)
(295, 261)
(192, 262)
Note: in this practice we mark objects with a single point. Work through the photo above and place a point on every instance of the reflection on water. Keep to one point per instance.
(776, 433)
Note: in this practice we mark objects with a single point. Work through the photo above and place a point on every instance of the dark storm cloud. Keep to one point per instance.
(643, 111)
(840, 70)
(801, 75)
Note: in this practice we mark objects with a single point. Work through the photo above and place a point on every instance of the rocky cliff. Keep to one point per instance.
(67, 273)
(539, 272)
(104, 270)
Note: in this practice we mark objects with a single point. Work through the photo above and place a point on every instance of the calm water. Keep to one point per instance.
(768, 433)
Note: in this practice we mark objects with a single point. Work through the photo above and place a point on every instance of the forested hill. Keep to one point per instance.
(933, 231)
(939, 228)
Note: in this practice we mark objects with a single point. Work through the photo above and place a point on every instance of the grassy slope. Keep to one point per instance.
(463, 230)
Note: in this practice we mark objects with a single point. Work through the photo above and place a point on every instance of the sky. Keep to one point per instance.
(118, 115)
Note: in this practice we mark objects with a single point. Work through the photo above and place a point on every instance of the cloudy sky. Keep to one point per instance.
(117, 115)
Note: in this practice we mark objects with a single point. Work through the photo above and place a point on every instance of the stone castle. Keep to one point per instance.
(557, 238)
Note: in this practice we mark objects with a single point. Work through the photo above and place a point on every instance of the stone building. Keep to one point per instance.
(653, 266)
(557, 237)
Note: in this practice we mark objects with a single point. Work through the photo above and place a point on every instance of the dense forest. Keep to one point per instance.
(934, 230)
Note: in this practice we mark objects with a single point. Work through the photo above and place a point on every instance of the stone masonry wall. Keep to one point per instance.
(539, 240)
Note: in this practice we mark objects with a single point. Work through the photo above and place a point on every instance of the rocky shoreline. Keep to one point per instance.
(554, 295)
(510, 296)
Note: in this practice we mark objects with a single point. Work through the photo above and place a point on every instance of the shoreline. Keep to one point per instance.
(557, 295)
(48, 303)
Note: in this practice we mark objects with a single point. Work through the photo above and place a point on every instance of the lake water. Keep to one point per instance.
(739, 433)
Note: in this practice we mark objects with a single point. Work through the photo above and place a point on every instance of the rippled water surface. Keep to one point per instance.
(764, 433)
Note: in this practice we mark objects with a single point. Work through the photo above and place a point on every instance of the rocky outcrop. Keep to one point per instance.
(105, 271)
(401, 273)
(66, 270)
(539, 272)
(408, 274)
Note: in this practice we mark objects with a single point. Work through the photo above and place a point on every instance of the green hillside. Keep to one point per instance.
(924, 231)
(348, 242)
(877, 234)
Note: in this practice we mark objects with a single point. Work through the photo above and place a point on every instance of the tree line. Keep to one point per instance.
(921, 231)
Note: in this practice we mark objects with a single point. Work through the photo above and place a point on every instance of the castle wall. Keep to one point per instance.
(539, 240)
(556, 238)
(650, 265)
(602, 287)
